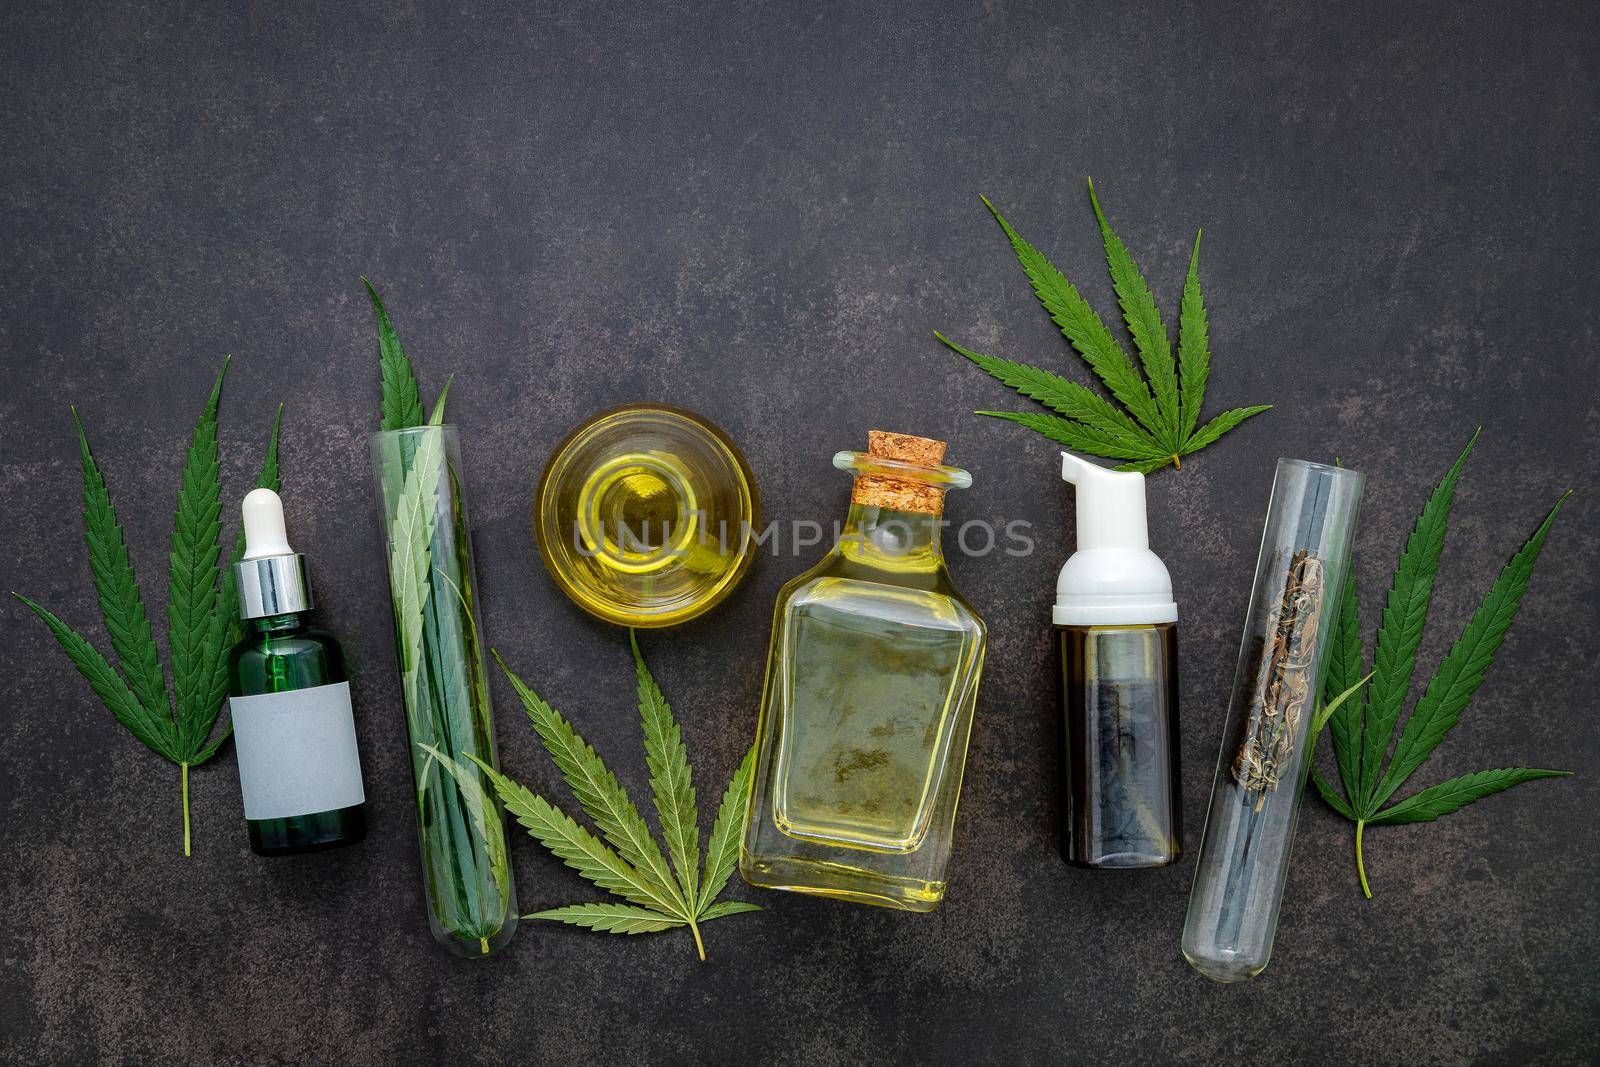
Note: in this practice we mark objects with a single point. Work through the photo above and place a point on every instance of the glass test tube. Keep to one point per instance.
(1261, 770)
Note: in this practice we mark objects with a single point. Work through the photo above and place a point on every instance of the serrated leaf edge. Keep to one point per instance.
(1149, 333)
(1470, 788)
(1164, 419)
(1405, 614)
(1464, 667)
(594, 786)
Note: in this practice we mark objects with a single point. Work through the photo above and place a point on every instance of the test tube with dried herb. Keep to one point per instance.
(1255, 797)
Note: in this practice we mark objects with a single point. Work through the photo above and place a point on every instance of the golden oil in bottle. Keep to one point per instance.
(646, 515)
(872, 679)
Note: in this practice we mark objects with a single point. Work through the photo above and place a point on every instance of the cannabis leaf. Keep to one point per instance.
(202, 608)
(627, 862)
(670, 777)
(485, 815)
(1363, 730)
(1328, 710)
(402, 403)
(1160, 409)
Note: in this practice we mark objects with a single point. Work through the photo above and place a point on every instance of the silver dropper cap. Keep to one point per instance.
(274, 585)
(272, 576)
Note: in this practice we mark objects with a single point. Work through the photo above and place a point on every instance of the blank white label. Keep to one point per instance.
(297, 752)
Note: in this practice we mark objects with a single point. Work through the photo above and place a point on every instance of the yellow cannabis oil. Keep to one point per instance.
(646, 515)
(872, 679)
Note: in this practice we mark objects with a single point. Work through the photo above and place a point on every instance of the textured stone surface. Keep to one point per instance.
(761, 215)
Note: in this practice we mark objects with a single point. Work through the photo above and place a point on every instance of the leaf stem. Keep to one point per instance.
(1177, 462)
(483, 945)
(1361, 867)
(699, 945)
(185, 767)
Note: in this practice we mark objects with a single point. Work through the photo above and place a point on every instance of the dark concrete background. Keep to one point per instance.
(761, 215)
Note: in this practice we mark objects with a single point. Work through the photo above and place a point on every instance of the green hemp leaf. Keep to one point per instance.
(1158, 420)
(202, 608)
(402, 403)
(1363, 729)
(659, 889)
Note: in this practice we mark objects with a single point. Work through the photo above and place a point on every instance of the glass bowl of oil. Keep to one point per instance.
(646, 515)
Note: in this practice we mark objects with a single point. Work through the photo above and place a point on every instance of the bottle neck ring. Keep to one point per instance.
(271, 624)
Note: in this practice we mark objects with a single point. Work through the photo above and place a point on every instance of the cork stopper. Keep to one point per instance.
(899, 494)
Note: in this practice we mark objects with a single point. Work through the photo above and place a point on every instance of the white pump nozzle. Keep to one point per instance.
(263, 525)
(1113, 579)
(1110, 505)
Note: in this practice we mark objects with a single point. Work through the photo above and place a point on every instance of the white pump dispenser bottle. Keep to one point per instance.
(1115, 622)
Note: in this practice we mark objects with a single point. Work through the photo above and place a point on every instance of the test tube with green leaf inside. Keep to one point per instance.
(439, 651)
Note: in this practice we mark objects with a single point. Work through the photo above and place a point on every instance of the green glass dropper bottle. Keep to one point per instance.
(292, 721)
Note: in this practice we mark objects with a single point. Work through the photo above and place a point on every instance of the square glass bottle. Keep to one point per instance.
(872, 677)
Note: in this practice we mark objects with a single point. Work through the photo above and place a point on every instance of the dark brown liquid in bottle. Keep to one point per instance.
(1119, 692)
